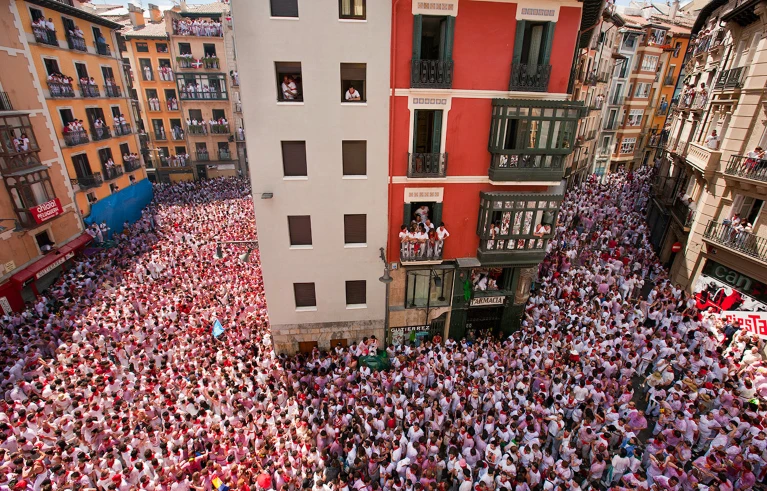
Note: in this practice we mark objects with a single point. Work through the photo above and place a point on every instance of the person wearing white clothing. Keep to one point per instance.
(442, 234)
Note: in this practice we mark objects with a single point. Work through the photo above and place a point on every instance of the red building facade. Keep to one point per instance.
(481, 124)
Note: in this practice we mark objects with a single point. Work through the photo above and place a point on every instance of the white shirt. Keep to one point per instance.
(353, 95)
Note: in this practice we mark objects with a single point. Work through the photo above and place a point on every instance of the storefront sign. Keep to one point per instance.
(400, 335)
(46, 211)
(720, 288)
(485, 301)
(442, 7)
(417, 195)
(755, 322)
(539, 11)
(54, 265)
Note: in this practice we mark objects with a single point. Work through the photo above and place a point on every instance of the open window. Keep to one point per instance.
(491, 279)
(427, 131)
(532, 46)
(289, 81)
(224, 153)
(351, 9)
(515, 221)
(81, 165)
(353, 79)
(162, 47)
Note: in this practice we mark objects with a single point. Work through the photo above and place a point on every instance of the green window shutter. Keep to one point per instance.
(519, 42)
(415, 130)
(417, 28)
(408, 215)
(449, 33)
(436, 214)
(548, 41)
(436, 137)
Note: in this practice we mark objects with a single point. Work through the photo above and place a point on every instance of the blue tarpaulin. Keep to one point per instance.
(124, 205)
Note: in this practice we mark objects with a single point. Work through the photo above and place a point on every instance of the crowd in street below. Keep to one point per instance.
(113, 379)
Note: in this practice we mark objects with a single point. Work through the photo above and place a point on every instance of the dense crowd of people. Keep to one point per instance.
(113, 379)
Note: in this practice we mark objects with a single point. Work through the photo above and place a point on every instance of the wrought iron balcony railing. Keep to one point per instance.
(529, 78)
(88, 90)
(113, 172)
(730, 79)
(91, 181)
(44, 35)
(427, 165)
(113, 91)
(102, 133)
(122, 129)
(59, 90)
(747, 167)
(76, 43)
(433, 74)
(74, 138)
(131, 164)
(737, 239)
(103, 49)
(220, 129)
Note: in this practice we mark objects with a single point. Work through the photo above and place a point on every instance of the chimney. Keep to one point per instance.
(674, 10)
(154, 13)
(136, 15)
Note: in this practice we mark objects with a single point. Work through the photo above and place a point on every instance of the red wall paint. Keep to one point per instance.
(468, 131)
(483, 45)
(460, 211)
(403, 52)
(563, 48)
(400, 133)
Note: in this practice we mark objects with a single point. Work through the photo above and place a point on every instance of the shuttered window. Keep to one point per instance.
(355, 158)
(355, 229)
(305, 296)
(284, 8)
(300, 229)
(355, 292)
(294, 158)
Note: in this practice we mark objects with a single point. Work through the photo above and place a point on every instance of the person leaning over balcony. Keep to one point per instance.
(712, 141)
(754, 157)
(352, 94)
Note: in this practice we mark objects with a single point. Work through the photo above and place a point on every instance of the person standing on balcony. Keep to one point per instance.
(712, 142)
(442, 234)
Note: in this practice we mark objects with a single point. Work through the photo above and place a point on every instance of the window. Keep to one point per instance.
(532, 46)
(517, 130)
(142, 48)
(82, 70)
(491, 279)
(629, 41)
(643, 90)
(433, 37)
(657, 36)
(294, 158)
(300, 230)
(430, 287)
(27, 191)
(355, 229)
(516, 221)
(44, 241)
(304, 294)
(355, 293)
(635, 117)
(145, 65)
(81, 165)
(162, 47)
(351, 9)
(202, 86)
(284, 8)
(289, 81)
(51, 66)
(353, 82)
(209, 50)
(427, 131)
(354, 157)
(184, 48)
(649, 63)
(17, 143)
(627, 145)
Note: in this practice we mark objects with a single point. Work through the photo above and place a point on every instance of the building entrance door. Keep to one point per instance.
(480, 320)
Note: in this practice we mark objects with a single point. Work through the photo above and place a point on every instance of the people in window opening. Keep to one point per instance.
(289, 89)
(352, 94)
(542, 229)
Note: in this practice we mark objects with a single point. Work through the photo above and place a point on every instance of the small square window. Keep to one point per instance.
(352, 9)
(289, 82)
(355, 292)
(294, 159)
(142, 47)
(353, 82)
(162, 47)
(355, 229)
(305, 295)
(354, 157)
(284, 8)
(92, 198)
(300, 230)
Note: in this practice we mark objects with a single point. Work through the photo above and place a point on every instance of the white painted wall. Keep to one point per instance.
(321, 43)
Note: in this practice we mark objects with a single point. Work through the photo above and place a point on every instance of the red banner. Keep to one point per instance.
(755, 322)
(46, 211)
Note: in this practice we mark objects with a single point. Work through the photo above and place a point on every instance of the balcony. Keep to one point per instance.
(74, 138)
(122, 129)
(143, 139)
(420, 253)
(202, 96)
(431, 74)
(160, 134)
(88, 182)
(58, 90)
(703, 158)
(655, 141)
(682, 214)
(224, 155)
(240, 135)
(604, 78)
(617, 100)
(197, 129)
(611, 125)
(111, 173)
(98, 134)
(741, 166)
(172, 105)
(597, 105)
(211, 63)
(664, 189)
(678, 147)
(744, 243)
(529, 78)
(202, 156)
(44, 35)
(131, 164)
(421, 165)
(88, 90)
(103, 49)
(113, 91)
(695, 102)
(76, 43)
(662, 110)
(669, 80)
(730, 79)
(184, 62)
(238, 107)
(13, 160)
(220, 129)
(147, 74)
(165, 74)
(504, 167)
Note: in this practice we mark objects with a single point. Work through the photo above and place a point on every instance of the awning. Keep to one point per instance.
(51, 261)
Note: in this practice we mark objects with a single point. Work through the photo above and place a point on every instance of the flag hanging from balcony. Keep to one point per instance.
(218, 329)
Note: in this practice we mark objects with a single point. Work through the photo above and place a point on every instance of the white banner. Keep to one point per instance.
(755, 322)
(484, 301)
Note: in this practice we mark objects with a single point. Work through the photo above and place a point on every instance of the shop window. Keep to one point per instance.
(289, 81)
(44, 242)
(353, 87)
(428, 287)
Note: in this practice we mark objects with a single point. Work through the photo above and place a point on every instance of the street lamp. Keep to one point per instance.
(386, 279)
